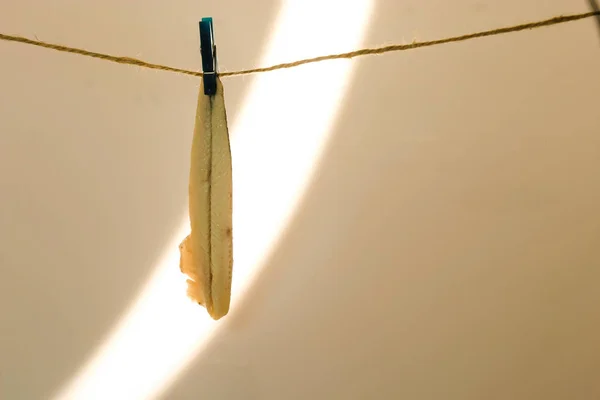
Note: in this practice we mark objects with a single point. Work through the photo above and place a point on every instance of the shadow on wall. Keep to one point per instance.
(93, 180)
(595, 7)
(444, 249)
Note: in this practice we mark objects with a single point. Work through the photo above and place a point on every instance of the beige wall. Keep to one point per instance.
(446, 246)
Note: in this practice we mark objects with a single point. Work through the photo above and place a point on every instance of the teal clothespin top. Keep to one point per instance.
(208, 51)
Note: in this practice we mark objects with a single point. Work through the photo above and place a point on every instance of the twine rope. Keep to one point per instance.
(357, 53)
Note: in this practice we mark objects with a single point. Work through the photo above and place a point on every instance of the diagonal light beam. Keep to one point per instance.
(276, 142)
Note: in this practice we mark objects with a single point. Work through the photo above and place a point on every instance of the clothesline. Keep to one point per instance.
(357, 53)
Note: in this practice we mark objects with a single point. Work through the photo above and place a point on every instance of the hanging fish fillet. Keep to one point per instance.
(206, 254)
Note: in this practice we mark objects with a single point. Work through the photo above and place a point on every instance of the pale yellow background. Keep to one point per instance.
(446, 248)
